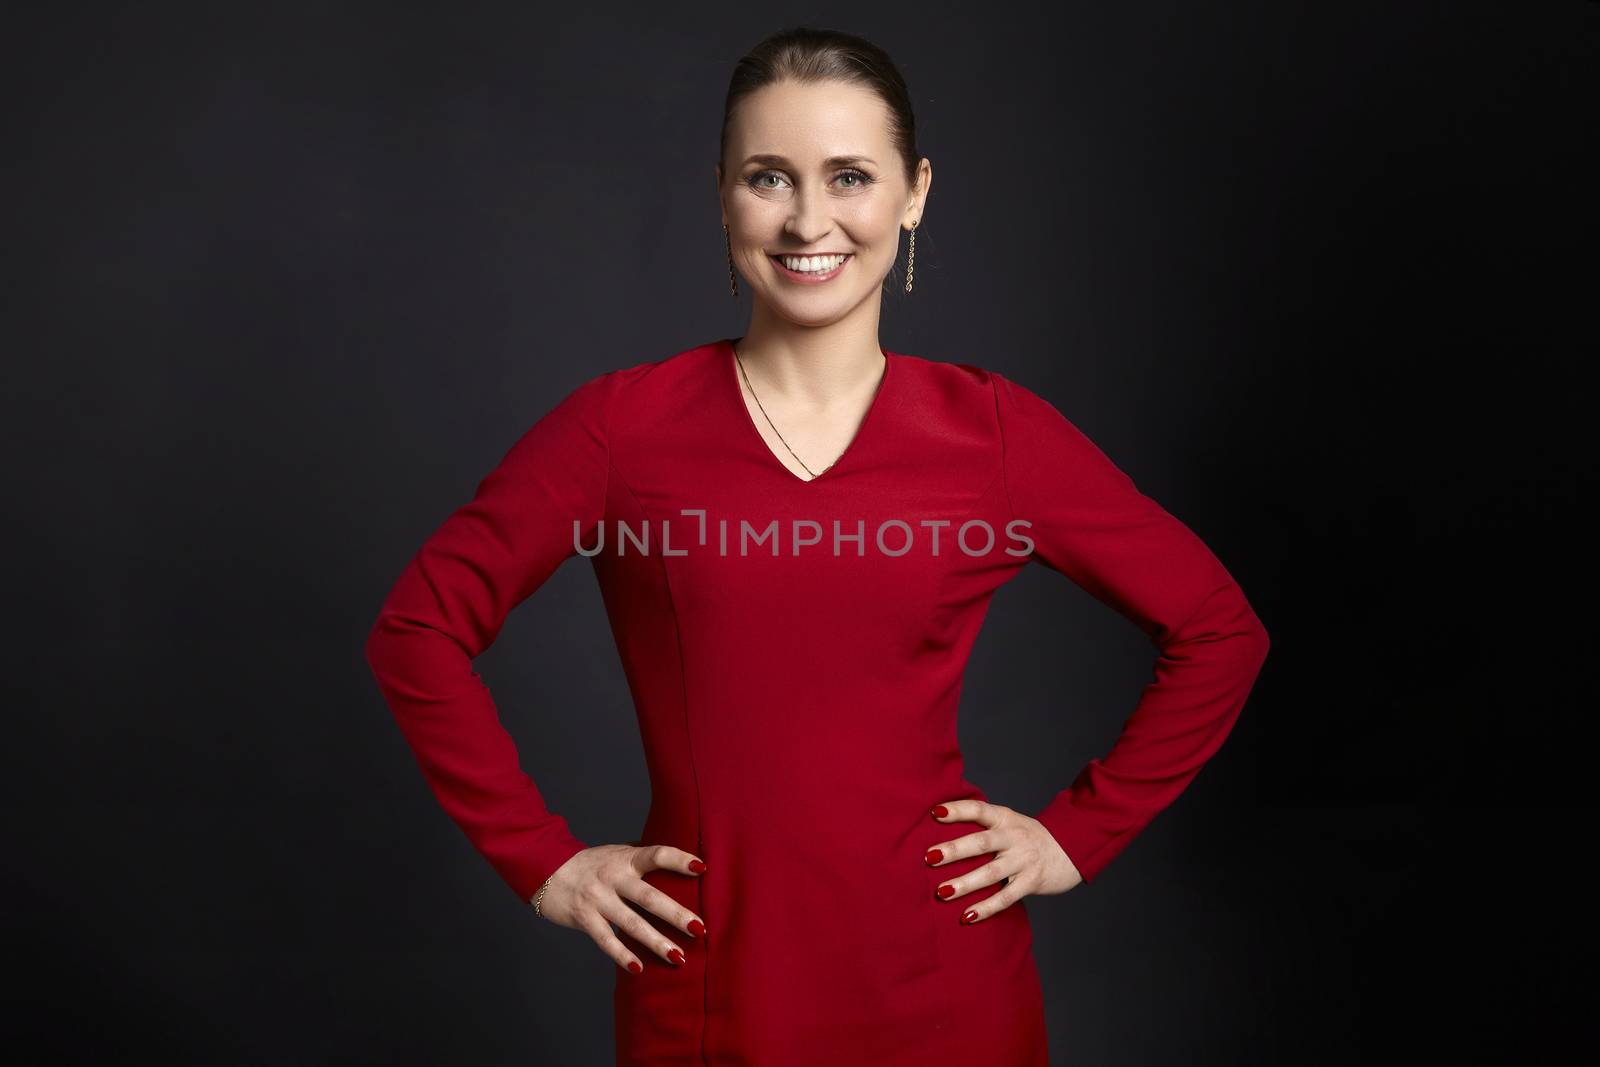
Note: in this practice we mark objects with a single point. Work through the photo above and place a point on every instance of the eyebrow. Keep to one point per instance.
(769, 160)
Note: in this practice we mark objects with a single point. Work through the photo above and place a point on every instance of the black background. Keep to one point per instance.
(284, 282)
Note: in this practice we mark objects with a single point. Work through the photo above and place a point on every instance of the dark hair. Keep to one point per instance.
(808, 55)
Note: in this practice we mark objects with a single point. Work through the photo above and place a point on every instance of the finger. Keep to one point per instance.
(654, 900)
(989, 874)
(636, 926)
(667, 857)
(977, 843)
(967, 809)
(998, 902)
(596, 927)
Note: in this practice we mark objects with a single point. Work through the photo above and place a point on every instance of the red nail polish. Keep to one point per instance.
(934, 855)
(697, 928)
(696, 866)
(946, 891)
(633, 965)
(676, 956)
(969, 916)
(940, 811)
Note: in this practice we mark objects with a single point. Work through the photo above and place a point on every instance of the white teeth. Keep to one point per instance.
(811, 264)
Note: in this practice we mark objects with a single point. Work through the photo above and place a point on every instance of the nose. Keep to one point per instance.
(809, 221)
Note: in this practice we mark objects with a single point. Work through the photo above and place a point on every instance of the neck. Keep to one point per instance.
(813, 367)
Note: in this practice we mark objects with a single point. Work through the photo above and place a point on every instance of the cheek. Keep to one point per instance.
(879, 233)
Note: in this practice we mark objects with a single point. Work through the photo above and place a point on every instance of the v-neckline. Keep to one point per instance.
(730, 361)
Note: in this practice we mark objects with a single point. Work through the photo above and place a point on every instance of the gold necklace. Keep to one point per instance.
(774, 426)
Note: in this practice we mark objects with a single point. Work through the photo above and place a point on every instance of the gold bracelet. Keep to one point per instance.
(538, 898)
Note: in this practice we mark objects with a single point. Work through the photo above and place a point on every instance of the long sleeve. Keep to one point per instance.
(1091, 523)
(449, 604)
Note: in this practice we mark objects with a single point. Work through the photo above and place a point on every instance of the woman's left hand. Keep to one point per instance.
(1027, 858)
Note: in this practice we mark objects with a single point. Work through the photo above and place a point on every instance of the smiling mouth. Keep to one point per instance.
(812, 268)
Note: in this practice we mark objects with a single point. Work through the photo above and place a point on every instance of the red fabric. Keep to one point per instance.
(798, 710)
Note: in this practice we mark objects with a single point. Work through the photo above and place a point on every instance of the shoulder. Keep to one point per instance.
(1038, 441)
(1019, 409)
(577, 433)
(606, 387)
(949, 374)
(1035, 438)
(946, 385)
(635, 387)
(960, 377)
(1008, 404)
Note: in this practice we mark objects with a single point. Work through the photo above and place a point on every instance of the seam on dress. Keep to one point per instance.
(688, 734)
(683, 683)
(605, 490)
(944, 572)
(1000, 423)
(938, 599)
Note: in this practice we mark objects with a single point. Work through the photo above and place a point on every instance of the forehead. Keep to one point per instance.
(808, 123)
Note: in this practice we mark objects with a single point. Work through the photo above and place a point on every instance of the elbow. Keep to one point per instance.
(1254, 631)
(1237, 621)
(1243, 623)
(401, 648)
(1225, 614)
(375, 648)
(1247, 624)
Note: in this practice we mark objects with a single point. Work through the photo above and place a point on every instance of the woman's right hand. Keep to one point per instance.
(591, 891)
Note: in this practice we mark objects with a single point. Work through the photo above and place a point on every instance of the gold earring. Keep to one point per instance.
(911, 256)
(733, 279)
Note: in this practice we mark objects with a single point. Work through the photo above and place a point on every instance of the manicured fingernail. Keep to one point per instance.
(633, 965)
(676, 956)
(946, 891)
(940, 811)
(696, 866)
(969, 916)
(697, 928)
(934, 855)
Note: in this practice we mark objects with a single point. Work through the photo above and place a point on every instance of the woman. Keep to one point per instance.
(796, 534)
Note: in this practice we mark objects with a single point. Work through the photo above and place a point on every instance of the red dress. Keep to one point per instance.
(798, 704)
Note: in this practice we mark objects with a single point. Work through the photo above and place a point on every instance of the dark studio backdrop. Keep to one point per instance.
(287, 281)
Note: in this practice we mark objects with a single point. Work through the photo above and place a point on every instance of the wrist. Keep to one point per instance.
(537, 900)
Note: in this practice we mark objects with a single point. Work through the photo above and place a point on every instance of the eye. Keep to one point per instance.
(771, 180)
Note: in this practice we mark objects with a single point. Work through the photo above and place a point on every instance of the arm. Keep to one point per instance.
(448, 606)
(1092, 524)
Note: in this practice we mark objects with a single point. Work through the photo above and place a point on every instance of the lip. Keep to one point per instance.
(812, 279)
